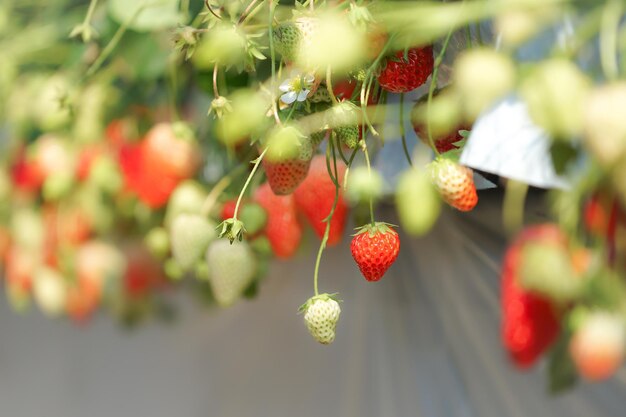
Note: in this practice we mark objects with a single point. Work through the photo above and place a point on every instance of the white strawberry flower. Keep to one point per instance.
(296, 88)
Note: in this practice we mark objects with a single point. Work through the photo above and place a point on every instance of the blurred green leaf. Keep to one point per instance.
(146, 15)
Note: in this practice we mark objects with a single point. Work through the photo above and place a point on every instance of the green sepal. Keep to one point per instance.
(232, 229)
(325, 297)
(378, 227)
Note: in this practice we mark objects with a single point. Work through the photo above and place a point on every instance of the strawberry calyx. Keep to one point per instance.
(324, 297)
(232, 229)
(376, 228)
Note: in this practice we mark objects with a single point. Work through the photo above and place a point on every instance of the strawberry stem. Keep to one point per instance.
(369, 171)
(257, 162)
(329, 150)
(329, 86)
(216, 92)
(433, 86)
(367, 82)
(402, 131)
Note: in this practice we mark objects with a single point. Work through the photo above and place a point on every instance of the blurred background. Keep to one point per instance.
(425, 341)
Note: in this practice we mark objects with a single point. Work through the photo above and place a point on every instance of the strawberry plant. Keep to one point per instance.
(145, 144)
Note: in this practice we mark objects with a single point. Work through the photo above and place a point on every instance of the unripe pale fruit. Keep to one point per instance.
(417, 201)
(364, 185)
(546, 268)
(597, 346)
(50, 291)
(555, 93)
(605, 124)
(482, 76)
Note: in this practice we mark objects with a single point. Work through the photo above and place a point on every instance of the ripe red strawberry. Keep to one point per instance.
(344, 90)
(143, 271)
(597, 347)
(530, 323)
(455, 183)
(315, 196)
(228, 209)
(170, 150)
(24, 175)
(375, 248)
(443, 143)
(283, 229)
(284, 175)
(151, 187)
(401, 76)
(86, 160)
(82, 300)
(600, 215)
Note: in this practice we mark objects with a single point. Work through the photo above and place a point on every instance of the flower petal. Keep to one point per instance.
(302, 95)
(288, 97)
(285, 86)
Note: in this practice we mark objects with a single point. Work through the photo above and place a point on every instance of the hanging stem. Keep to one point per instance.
(369, 171)
(257, 162)
(329, 150)
(246, 11)
(212, 197)
(402, 131)
(329, 86)
(431, 90)
(117, 37)
(90, 10)
(611, 16)
(216, 92)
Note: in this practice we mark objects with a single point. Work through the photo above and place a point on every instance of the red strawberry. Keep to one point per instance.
(82, 300)
(315, 196)
(283, 229)
(228, 209)
(375, 248)
(455, 183)
(285, 174)
(401, 76)
(600, 215)
(143, 272)
(170, 150)
(530, 324)
(86, 159)
(152, 187)
(443, 143)
(24, 175)
(344, 90)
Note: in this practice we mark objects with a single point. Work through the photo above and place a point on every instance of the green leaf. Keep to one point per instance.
(562, 154)
(562, 375)
(146, 15)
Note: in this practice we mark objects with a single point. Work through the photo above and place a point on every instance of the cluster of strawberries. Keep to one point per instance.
(556, 289)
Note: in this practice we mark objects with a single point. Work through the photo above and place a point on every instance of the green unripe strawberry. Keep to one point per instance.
(287, 38)
(190, 235)
(317, 137)
(417, 202)
(546, 268)
(364, 185)
(158, 242)
(254, 218)
(188, 197)
(232, 268)
(348, 136)
(290, 37)
(173, 270)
